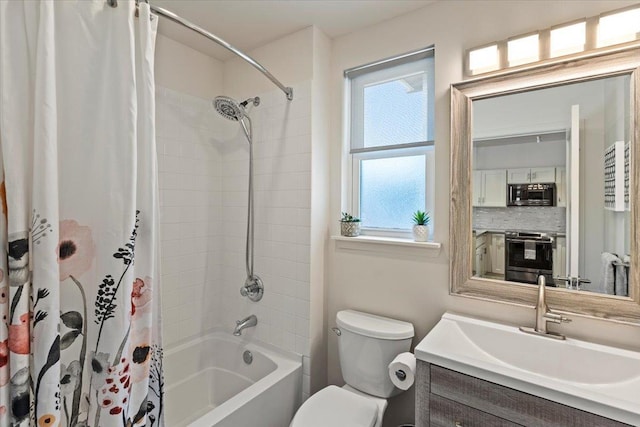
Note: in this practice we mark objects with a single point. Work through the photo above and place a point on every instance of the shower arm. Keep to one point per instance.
(288, 91)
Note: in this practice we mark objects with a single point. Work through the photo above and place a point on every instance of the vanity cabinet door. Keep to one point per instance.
(509, 404)
(447, 413)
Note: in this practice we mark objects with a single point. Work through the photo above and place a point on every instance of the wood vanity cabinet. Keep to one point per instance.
(448, 398)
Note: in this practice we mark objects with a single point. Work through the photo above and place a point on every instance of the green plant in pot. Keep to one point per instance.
(349, 225)
(421, 221)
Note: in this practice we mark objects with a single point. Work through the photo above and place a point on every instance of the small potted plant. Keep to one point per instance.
(349, 225)
(421, 226)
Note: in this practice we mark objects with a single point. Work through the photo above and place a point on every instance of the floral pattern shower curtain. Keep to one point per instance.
(79, 283)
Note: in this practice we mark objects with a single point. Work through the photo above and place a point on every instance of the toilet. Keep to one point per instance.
(366, 344)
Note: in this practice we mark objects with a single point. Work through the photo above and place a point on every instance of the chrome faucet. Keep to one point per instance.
(544, 315)
(247, 322)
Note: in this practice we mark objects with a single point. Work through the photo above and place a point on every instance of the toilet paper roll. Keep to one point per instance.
(402, 370)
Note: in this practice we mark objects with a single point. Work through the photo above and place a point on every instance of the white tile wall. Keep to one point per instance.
(190, 171)
(203, 184)
(282, 179)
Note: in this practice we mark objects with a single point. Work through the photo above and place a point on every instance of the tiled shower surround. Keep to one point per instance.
(531, 218)
(282, 187)
(203, 165)
(190, 183)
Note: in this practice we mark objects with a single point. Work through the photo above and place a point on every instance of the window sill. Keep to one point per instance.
(383, 244)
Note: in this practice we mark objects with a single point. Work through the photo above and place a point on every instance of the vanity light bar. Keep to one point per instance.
(619, 27)
(569, 38)
(484, 59)
(523, 50)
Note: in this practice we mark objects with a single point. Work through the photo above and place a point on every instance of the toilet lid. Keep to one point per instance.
(333, 406)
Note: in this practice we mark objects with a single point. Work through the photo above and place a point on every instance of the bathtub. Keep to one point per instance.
(207, 384)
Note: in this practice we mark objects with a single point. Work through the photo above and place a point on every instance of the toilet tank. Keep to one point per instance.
(366, 345)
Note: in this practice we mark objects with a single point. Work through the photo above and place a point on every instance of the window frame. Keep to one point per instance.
(357, 155)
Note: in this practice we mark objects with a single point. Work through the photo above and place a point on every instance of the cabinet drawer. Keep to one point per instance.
(446, 413)
(509, 404)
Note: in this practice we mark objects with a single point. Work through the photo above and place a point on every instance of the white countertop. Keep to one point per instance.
(598, 379)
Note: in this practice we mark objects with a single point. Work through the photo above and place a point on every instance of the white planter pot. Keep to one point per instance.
(421, 233)
(350, 229)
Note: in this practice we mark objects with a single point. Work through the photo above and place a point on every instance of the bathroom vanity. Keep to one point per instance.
(472, 372)
(448, 398)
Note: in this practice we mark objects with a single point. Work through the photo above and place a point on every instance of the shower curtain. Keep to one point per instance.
(79, 290)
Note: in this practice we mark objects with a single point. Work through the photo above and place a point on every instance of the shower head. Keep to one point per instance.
(228, 108)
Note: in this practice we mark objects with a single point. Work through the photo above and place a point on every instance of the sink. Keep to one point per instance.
(573, 361)
(596, 378)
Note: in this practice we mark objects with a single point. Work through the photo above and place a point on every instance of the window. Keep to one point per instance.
(391, 106)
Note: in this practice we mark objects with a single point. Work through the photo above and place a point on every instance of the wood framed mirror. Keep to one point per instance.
(539, 182)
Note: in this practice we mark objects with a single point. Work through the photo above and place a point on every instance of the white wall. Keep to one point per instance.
(282, 167)
(291, 179)
(289, 59)
(616, 121)
(521, 155)
(189, 168)
(415, 287)
(186, 70)
(320, 214)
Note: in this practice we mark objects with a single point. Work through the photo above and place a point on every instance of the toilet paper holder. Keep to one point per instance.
(401, 375)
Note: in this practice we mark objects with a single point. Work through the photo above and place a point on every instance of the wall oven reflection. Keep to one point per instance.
(527, 255)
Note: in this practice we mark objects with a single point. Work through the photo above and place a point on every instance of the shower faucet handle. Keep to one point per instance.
(252, 288)
(249, 289)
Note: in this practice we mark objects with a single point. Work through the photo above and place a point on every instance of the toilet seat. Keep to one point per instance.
(333, 406)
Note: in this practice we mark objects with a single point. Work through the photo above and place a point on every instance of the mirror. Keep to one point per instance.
(544, 181)
(522, 218)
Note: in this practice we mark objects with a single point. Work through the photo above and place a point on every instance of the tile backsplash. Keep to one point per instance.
(529, 218)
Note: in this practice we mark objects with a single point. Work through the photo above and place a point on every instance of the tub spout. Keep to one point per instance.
(247, 322)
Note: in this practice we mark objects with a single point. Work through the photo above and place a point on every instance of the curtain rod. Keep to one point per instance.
(288, 91)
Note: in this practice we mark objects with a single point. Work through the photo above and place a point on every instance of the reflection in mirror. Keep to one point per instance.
(550, 186)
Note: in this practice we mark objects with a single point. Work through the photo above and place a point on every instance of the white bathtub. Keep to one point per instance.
(208, 384)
